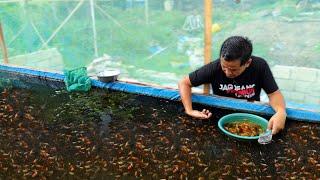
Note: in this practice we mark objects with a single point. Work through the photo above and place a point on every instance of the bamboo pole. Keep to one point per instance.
(38, 34)
(111, 18)
(207, 37)
(17, 35)
(94, 30)
(27, 15)
(3, 46)
(64, 22)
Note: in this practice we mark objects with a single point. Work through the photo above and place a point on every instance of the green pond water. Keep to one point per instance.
(46, 132)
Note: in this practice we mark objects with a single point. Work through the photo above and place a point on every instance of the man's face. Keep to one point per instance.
(233, 69)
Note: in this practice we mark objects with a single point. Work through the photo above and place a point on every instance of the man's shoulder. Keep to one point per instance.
(258, 61)
(212, 65)
(215, 63)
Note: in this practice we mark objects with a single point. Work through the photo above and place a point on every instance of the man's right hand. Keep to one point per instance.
(204, 114)
(185, 93)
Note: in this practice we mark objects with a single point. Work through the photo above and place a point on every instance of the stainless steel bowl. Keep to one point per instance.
(108, 75)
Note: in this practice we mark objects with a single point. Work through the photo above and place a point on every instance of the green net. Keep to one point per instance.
(160, 41)
(77, 80)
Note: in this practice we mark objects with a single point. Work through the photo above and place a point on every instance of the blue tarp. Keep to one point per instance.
(171, 94)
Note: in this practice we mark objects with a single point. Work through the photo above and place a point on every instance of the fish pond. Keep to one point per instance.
(46, 132)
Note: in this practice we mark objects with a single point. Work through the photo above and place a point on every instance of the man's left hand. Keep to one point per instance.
(277, 122)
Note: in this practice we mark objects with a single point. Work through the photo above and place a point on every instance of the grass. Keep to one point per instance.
(317, 48)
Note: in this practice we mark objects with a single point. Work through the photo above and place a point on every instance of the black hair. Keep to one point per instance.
(236, 47)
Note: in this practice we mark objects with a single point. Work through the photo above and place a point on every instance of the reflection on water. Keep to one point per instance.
(103, 125)
(102, 134)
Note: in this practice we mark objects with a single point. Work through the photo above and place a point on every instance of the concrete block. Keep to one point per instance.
(286, 84)
(318, 77)
(280, 71)
(304, 74)
(296, 97)
(288, 97)
(286, 94)
(316, 88)
(309, 99)
(305, 86)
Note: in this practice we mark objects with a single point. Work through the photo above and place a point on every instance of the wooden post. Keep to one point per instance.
(207, 37)
(3, 46)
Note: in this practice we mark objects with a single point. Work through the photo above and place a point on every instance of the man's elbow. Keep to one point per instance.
(184, 82)
(180, 83)
(277, 95)
(277, 99)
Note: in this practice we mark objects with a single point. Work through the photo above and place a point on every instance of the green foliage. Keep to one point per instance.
(317, 48)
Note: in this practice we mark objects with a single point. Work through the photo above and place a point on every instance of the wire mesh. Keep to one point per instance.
(160, 41)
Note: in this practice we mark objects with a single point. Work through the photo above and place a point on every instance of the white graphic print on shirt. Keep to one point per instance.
(244, 91)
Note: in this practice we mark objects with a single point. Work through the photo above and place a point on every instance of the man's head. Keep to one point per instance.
(235, 55)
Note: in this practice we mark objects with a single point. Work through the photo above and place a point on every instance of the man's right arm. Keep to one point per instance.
(185, 93)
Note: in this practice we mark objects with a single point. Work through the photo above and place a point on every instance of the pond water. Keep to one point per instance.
(47, 132)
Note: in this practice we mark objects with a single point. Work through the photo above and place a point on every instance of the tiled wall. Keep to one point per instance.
(298, 84)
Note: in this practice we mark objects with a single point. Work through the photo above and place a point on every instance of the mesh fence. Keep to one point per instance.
(160, 41)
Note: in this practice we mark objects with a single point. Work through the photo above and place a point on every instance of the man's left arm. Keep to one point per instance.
(277, 121)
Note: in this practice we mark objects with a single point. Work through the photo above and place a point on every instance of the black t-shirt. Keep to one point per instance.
(247, 85)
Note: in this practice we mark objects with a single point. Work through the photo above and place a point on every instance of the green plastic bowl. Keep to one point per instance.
(235, 117)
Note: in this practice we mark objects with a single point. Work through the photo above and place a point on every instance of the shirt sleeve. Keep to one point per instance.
(202, 75)
(269, 84)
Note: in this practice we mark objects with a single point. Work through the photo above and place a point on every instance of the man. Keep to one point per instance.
(236, 74)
